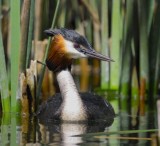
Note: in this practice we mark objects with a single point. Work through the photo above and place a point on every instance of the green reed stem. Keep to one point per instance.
(15, 49)
(46, 52)
(143, 39)
(122, 132)
(4, 90)
(105, 77)
(115, 47)
(125, 77)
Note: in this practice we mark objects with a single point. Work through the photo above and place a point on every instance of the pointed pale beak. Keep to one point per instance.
(93, 54)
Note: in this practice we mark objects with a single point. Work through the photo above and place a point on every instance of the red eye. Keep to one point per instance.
(76, 45)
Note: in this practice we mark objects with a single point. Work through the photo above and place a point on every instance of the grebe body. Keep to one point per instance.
(70, 105)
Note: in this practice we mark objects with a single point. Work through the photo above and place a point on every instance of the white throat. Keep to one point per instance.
(72, 105)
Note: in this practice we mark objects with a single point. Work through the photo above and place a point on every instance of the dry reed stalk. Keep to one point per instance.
(47, 85)
(31, 75)
(40, 47)
(96, 41)
(84, 84)
(97, 46)
(38, 20)
(154, 140)
(142, 96)
(84, 71)
(27, 91)
(24, 32)
(96, 72)
(23, 94)
(43, 131)
(25, 129)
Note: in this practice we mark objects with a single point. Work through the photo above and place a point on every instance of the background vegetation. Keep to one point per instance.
(127, 31)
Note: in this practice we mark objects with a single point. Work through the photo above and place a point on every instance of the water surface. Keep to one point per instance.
(126, 130)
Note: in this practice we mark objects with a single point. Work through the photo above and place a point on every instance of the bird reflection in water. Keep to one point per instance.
(69, 133)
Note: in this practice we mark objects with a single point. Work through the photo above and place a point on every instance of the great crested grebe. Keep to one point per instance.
(70, 105)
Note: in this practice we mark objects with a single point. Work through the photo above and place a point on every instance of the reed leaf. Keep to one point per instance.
(150, 13)
(15, 52)
(143, 39)
(154, 53)
(157, 74)
(88, 30)
(135, 93)
(4, 89)
(115, 45)
(105, 78)
(30, 33)
(123, 132)
(14, 130)
(62, 11)
(126, 66)
(93, 10)
(143, 124)
(5, 128)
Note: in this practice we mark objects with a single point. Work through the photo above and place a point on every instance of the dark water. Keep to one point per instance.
(126, 130)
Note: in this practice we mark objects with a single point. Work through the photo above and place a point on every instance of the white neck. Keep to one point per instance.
(72, 106)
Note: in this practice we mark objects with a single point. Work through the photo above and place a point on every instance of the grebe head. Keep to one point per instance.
(67, 45)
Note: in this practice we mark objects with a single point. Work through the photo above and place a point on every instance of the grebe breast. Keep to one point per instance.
(95, 106)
